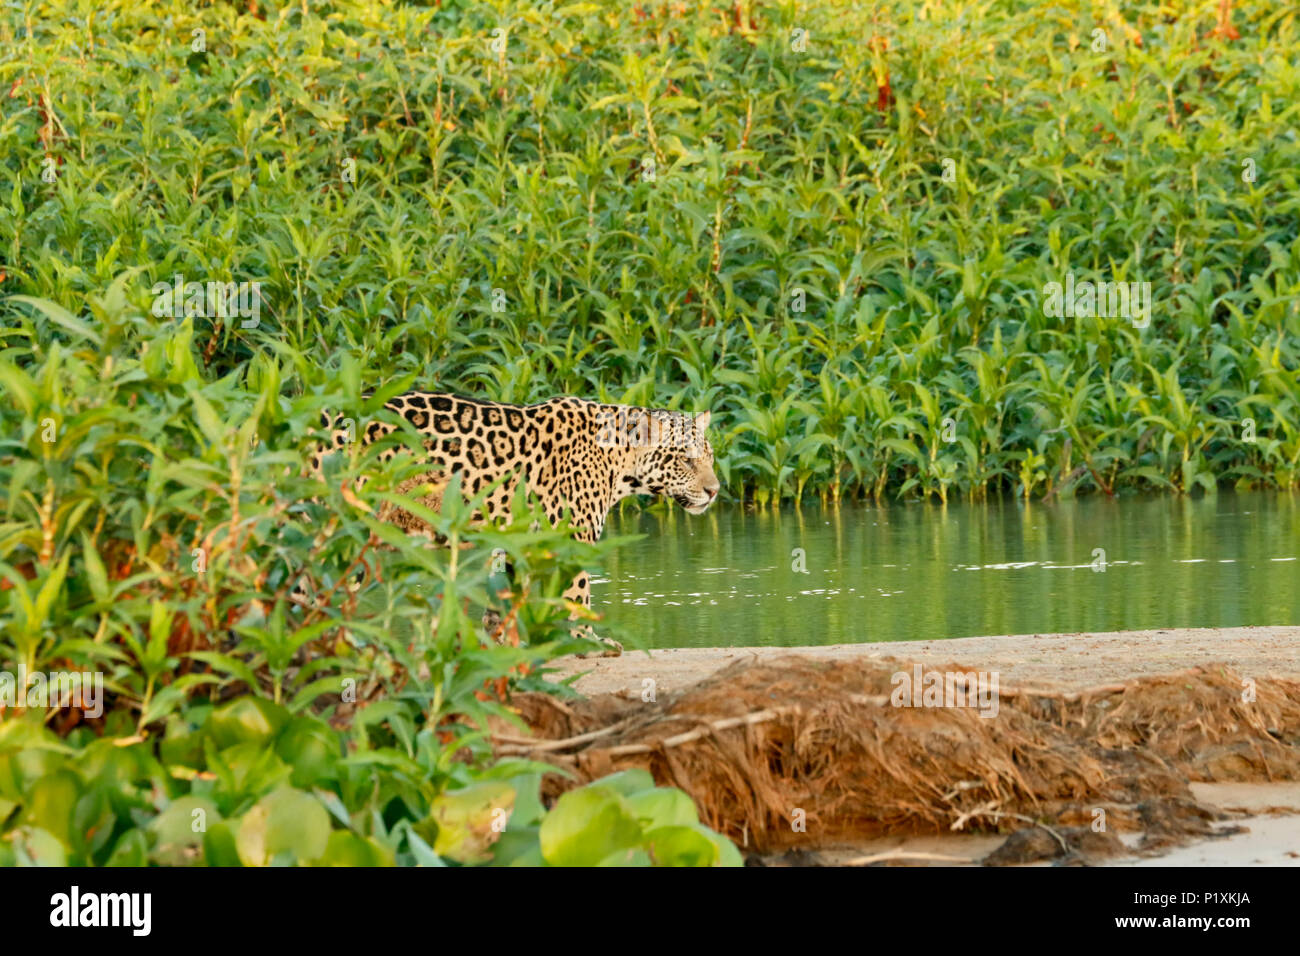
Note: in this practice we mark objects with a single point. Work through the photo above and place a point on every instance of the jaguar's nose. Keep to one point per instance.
(712, 492)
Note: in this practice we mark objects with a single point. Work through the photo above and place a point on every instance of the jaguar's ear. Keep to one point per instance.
(702, 420)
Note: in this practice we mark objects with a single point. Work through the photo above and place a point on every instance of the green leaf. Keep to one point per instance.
(661, 807)
(50, 804)
(51, 588)
(691, 845)
(632, 856)
(96, 575)
(311, 748)
(245, 720)
(60, 316)
(131, 850)
(348, 849)
(286, 822)
(180, 829)
(420, 850)
(627, 782)
(219, 848)
(471, 819)
(518, 846)
(36, 847)
(585, 826)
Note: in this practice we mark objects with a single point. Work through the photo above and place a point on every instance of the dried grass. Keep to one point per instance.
(757, 742)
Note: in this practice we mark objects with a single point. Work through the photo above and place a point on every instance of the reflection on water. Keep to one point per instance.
(921, 571)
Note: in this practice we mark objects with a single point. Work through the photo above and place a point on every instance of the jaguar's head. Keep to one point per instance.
(677, 460)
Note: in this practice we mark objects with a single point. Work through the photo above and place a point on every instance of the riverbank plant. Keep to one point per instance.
(834, 224)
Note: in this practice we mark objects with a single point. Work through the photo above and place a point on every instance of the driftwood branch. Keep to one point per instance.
(901, 854)
(758, 717)
(514, 744)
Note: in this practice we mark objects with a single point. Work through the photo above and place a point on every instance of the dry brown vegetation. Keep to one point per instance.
(758, 741)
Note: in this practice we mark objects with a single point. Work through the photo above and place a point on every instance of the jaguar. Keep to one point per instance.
(576, 457)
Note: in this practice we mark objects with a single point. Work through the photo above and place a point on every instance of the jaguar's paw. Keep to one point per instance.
(610, 648)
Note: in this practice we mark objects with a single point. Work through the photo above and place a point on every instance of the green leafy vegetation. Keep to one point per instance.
(248, 783)
(655, 191)
(831, 224)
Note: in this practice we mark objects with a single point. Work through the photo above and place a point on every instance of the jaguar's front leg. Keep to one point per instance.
(580, 592)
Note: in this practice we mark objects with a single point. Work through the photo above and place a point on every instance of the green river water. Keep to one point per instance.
(924, 571)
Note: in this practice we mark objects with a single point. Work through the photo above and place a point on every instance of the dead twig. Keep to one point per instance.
(713, 727)
(988, 811)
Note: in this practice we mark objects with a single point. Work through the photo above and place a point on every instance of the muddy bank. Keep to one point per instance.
(1260, 827)
(804, 752)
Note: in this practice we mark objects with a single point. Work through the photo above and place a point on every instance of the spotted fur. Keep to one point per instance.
(574, 455)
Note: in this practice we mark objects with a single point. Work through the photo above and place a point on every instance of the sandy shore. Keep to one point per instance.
(1039, 660)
